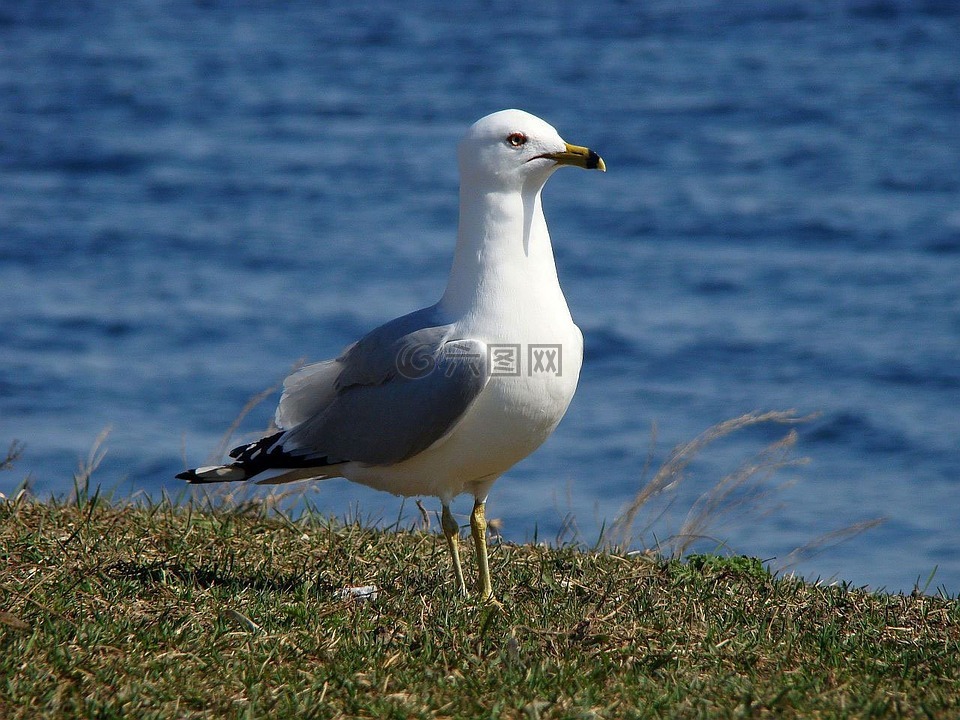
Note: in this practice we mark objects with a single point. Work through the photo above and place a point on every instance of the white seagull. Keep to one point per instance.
(446, 399)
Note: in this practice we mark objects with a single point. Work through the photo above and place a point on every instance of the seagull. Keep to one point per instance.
(444, 400)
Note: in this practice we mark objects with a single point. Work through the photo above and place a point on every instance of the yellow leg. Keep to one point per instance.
(478, 528)
(451, 531)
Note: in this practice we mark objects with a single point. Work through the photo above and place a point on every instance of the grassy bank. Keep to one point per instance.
(120, 611)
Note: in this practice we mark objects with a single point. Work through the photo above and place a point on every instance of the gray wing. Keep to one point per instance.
(386, 398)
(306, 392)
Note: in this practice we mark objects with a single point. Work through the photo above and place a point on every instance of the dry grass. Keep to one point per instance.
(749, 489)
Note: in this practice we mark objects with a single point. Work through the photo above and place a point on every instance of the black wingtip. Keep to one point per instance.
(194, 478)
(250, 450)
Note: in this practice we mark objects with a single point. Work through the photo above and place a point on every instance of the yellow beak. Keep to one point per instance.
(579, 156)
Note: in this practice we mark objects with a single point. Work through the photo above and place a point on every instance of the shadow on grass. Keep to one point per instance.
(162, 572)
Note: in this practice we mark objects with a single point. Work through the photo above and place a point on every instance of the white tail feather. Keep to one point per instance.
(223, 473)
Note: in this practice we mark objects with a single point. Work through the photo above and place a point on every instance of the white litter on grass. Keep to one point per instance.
(361, 592)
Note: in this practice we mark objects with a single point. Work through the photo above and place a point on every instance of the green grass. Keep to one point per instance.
(168, 612)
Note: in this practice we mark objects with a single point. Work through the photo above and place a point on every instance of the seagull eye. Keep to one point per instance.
(516, 139)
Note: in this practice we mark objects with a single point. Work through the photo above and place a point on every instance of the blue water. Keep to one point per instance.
(194, 197)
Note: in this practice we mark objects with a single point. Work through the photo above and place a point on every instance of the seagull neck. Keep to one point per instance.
(503, 250)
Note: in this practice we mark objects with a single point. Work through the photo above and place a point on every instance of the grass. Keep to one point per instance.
(227, 606)
(161, 611)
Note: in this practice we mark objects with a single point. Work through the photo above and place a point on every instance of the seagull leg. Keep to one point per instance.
(451, 531)
(478, 528)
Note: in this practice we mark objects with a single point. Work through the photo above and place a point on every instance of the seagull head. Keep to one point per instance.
(508, 149)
